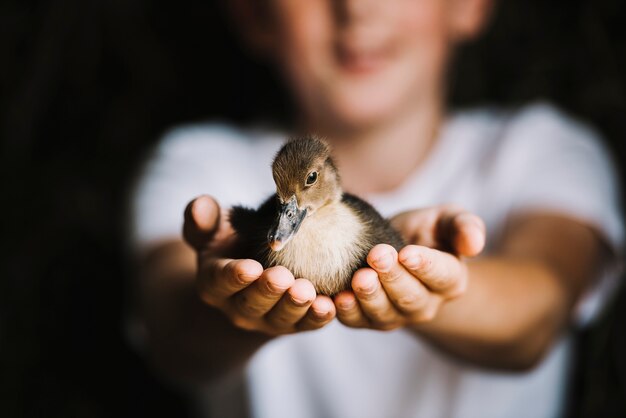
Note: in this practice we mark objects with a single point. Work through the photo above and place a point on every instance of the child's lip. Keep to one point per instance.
(360, 60)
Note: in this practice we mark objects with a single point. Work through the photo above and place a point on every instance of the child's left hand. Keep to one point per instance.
(409, 287)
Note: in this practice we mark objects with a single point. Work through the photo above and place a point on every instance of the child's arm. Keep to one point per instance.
(190, 298)
(502, 311)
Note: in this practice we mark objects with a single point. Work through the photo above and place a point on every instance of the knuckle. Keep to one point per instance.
(442, 282)
(228, 268)
(281, 325)
(281, 317)
(209, 269)
(392, 276)
(280, 320)
(411, 302)
(242, 280)
(215, 269)
(428, 315)
(367, 293)
(208, 298)
(231, 271)
(239, 280)
(425, 315)
(381, 316)
(247, 309)
(242, 322)
(270, 288)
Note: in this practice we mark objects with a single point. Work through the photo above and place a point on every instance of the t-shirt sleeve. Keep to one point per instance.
(563, 167)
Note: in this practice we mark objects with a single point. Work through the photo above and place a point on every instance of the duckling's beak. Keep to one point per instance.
(289, 219)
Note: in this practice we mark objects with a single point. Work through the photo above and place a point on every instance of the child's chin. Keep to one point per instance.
(361, 110)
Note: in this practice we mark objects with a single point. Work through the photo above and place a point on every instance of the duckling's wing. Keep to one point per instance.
(379, 229)
(252, 226)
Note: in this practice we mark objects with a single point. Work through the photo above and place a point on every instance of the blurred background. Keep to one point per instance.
(87, 87)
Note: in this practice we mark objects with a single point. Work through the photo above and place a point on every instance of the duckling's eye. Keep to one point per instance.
(311, 178)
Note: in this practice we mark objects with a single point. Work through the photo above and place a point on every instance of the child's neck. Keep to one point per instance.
(382, 156)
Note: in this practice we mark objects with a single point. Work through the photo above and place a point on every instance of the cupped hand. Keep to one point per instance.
(409, 287)
(271, 301)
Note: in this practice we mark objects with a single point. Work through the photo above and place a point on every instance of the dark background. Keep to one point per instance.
(87, 86)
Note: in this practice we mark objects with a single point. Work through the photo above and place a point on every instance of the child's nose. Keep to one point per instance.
(353, 10)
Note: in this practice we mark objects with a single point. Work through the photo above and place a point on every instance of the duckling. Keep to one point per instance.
(310, 226)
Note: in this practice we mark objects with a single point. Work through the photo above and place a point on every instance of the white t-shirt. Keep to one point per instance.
(494, 164)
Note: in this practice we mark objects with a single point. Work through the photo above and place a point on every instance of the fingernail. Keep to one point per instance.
(346, 304)
(247, 278)
(384, 262)
(322, 308)
(320, 314)
(367, 290)
(299, 302)
(413, 261)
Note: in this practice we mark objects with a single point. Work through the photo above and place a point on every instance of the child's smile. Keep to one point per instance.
(356, 62)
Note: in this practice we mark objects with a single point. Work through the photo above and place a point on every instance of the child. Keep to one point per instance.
(485, 337)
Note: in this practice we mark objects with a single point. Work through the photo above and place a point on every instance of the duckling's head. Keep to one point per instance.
(306, 180)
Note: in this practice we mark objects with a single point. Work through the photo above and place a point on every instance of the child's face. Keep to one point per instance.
(356, 62)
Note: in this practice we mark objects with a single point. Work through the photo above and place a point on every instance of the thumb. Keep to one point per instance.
(463, 232)
(202, 221)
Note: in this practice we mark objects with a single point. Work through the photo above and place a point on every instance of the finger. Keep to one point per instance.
(408, 295)
(320, 313)
(373, 300)
(439, 271)
(257, 299)
(204, 222)
(220, 278)
(461, 232)
(348, 310)
(292, 306)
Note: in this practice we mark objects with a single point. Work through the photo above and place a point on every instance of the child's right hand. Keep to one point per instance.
(269, 301)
